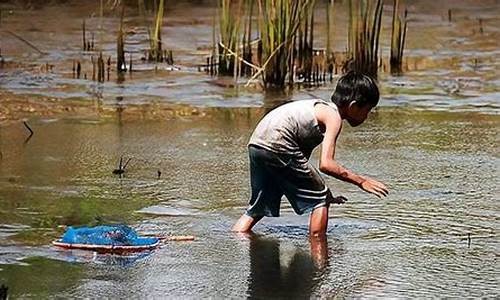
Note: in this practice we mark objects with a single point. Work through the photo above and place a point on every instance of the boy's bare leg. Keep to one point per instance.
(319, 250)
(245, 223)
(318, 221)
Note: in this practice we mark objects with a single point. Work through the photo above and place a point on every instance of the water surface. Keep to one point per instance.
(434, 141)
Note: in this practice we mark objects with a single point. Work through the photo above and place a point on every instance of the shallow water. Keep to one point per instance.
(434, 141)
(441, 170)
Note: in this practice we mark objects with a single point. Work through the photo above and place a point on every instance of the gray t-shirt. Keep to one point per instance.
(291, 128)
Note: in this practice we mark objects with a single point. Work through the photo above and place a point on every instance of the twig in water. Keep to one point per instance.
(30, 130)
(24, 41)
(121, 167)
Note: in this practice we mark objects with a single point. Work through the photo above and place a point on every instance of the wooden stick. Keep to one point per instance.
(24, 41)
(177, 238)
(28, 127)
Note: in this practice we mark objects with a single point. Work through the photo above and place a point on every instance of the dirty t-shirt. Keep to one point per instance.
(290, 129)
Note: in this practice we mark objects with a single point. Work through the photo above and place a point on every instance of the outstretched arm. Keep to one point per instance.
(331, 120)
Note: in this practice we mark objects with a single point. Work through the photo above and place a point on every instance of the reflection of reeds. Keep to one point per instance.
(364, 29)
(398, 39)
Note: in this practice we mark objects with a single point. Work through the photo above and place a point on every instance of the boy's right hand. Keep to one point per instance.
(374, 187)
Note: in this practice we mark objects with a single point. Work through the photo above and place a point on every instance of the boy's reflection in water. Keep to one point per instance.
(271, 278)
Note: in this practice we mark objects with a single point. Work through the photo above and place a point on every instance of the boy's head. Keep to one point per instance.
(355, 95)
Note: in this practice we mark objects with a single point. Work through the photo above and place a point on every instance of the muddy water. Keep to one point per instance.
(434, 141)
(442, 169)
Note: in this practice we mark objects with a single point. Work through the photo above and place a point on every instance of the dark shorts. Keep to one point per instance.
(274, 175)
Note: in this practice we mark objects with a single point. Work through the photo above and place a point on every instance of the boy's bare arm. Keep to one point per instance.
(332, 122)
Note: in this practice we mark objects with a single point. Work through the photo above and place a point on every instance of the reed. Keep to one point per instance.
(108, 69)
(397, 39)
(78, 69)
(100, 68)
(229, 38)
(210, 63)
(83, 36)
(156, 52)
(282, 25)
(247, 70)
(305, 53)
(365, 18)
(278, 25)
(120, 46)
(329, 27)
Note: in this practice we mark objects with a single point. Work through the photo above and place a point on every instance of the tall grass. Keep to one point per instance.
(278, 25)
(120, 46)
(363, 38)
(247, 39)
(397, 39)
(156, 53)
(329, 27)
(230, 35)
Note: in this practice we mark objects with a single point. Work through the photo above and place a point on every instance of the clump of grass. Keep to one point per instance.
(284, 44)
(397, 39)
(363, 39)
(278, 24)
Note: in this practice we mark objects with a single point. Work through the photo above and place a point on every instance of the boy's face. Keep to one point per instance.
(356, 114)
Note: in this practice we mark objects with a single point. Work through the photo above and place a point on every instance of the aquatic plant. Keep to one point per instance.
(363, 38)
(230, 34)
(397, 39)
(155, 36)
(120, 45)
(84, 36)
(329, 27)
(278, 24)
(284, 46)
(247, 38)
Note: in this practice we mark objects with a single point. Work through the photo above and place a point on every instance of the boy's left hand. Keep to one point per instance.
(374, 187)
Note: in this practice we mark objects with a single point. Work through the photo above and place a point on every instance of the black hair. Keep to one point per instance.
(356, 86)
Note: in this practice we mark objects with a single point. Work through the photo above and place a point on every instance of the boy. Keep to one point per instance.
(282, 143)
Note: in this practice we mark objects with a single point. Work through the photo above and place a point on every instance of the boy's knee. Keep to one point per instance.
(318, 222)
